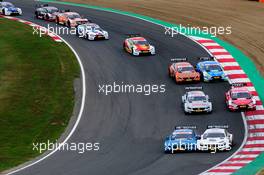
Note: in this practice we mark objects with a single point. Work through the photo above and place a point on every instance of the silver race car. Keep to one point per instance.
(91, 31)
(195, 101)
(215, 138)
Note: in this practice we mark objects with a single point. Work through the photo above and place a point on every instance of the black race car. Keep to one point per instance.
(46, 12)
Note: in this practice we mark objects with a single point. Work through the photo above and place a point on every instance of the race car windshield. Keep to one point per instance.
(213, 135)
(74, 16)
(94, 29)
(185, 69)
(141, 42)
(212, 67)
(53, 10)
(241, 95)
(196, 98)
(8, 4)
(181, 136)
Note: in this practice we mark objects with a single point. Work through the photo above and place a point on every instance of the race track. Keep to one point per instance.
(131, 127)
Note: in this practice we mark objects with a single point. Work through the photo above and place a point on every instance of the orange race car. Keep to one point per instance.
(183, 71)
(70, 19)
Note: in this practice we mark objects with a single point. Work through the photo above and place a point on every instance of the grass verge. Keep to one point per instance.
(36, 91)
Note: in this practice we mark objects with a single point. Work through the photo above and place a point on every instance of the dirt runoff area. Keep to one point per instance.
(245, 17)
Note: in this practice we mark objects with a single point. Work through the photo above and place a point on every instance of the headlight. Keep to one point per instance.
(206, 74)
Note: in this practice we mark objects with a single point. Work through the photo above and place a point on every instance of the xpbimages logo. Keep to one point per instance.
(145, 89)
(79, 147)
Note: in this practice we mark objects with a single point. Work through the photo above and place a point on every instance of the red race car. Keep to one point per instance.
(70, 19)
(240, 98)
(137, 45)
(183, 71)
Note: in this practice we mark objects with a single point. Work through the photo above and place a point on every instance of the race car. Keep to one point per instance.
(195, 101)
(182, 71)
(70, 19)
(137, 45)
(210, 70)
(239, 98)
(46, 12)
(215, 138)
(91, 31)
(183, 138)
(7, 8)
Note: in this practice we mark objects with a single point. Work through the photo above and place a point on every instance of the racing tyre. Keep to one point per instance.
(3, 12)
(69, 24)
(57, 20)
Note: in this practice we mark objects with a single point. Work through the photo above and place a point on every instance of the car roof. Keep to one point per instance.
(50, 7)
(209, 63)
(91, 25)
(183, 64)
(239, 89)
(4, 3)
(138, 39)
(179, 131)
(215, 130)
(196, 93)
(71, 13)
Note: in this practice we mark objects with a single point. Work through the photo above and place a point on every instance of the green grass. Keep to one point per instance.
(36, 91)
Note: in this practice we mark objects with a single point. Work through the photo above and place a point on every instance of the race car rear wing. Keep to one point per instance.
(178, 59)
(206, 58)
(131, 35)
(218, 126)
(238, 84)
(40, 5)
(185, 127)
(194, 88)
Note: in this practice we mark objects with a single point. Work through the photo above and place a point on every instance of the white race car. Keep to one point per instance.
(91, 31)
(7, 8)
(215, 138)
(195, 102)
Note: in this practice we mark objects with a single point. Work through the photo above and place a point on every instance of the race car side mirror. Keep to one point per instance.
(167, 138)
(198, 137)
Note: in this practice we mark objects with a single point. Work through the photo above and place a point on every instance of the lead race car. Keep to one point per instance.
(215, 138)
(239, 98)
(137, 45)
(183, 138)
(195, 101)
(46, 12)
(182, 71)
(7, 8)
(210, 70)
(70, 19)
(91, 31)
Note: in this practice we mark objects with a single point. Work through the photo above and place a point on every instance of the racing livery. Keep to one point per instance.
(7, 8)
(183, 138)
(215, 138)
(137, 45)
(183, 71)
(210, 70)
(70, 19)
(196, 101)
(239, 98)
(46, 12)
(91, 31)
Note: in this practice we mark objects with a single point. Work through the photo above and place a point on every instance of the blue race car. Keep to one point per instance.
(182, 139)
(210, 70)
(7, 8)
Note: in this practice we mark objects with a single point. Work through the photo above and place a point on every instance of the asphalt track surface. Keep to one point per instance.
(131, 127)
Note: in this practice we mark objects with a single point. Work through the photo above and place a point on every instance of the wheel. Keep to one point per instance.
(68, 23)
(46, 17)
(57, 20)
(4, 12)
